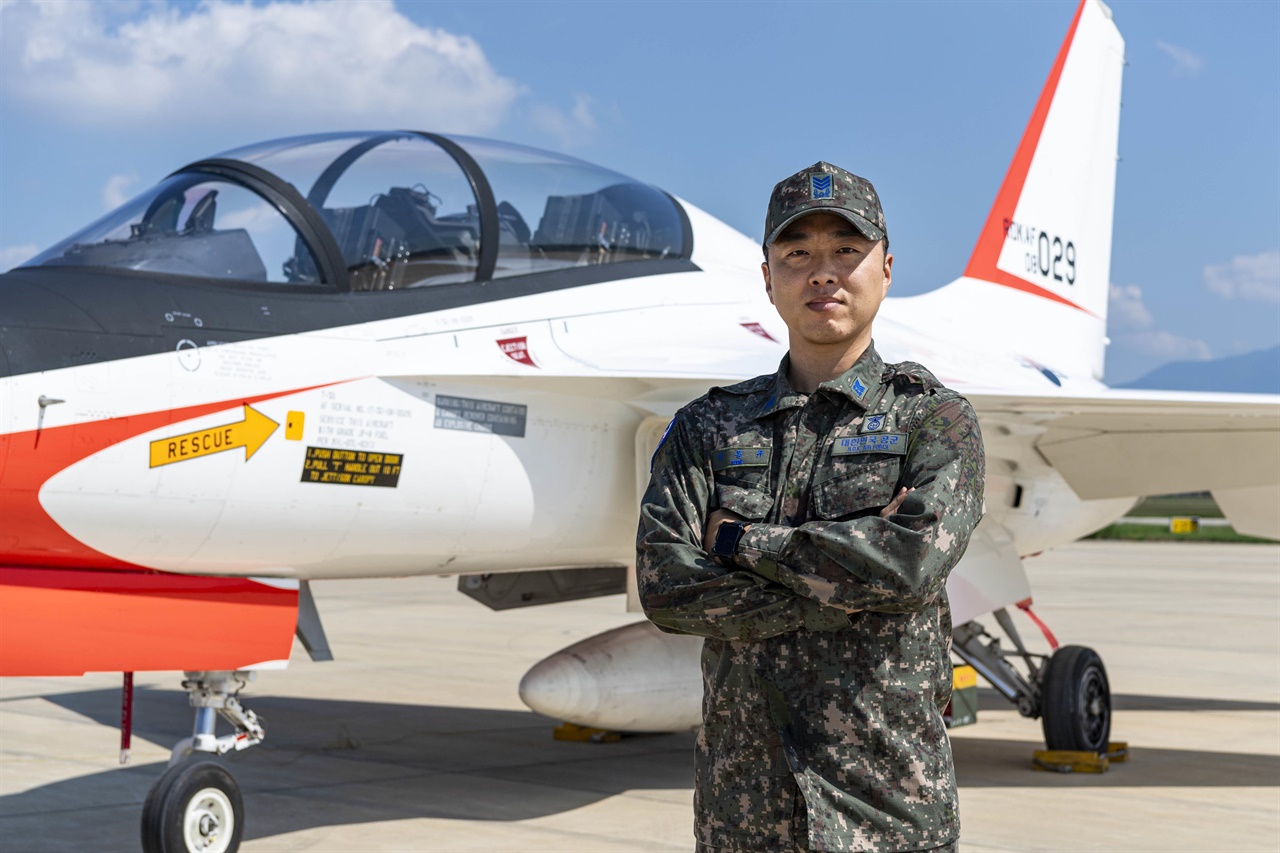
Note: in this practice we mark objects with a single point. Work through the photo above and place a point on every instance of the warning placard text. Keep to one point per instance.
(463, 413)
(351, 467)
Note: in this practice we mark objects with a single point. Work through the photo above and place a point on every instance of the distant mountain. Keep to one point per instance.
(1252, 373)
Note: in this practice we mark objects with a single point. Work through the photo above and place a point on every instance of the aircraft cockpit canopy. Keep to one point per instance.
(381, 211)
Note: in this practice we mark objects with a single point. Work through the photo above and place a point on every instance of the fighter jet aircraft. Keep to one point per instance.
(382, 354)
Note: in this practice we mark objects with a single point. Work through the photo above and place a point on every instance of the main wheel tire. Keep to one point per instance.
(1075, 701)
(194, 807)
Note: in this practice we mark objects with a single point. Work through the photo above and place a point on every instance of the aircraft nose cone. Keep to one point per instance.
(561, 687)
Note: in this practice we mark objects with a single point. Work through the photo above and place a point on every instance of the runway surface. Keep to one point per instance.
(415, 739)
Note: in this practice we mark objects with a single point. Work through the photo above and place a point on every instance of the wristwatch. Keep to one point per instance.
(727, 537)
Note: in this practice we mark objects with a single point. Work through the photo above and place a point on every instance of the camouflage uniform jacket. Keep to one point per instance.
(826, 665)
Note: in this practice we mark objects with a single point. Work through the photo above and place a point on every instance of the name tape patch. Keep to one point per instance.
(740, 457)
(888, 442)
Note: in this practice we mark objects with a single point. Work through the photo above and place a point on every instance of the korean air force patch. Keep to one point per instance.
(874, 423)
(888, 442)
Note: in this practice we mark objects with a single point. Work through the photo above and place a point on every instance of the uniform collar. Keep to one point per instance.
(860, 384)
(781, 394)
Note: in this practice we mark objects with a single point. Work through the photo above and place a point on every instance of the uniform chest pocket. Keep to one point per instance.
(745, 491)
(867, 484)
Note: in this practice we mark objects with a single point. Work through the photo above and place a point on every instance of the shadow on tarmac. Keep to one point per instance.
(331, 762)
(990, 700)
(993, 763)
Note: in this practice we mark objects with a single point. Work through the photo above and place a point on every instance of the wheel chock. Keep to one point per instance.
(584, 734)
(1072, 761)
(1069, 761)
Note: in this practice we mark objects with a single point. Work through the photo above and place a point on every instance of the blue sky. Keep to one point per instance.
(713, 101)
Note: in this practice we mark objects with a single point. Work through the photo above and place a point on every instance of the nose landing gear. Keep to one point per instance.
(196, 805)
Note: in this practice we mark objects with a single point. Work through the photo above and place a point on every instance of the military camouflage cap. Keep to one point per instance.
(825, 187)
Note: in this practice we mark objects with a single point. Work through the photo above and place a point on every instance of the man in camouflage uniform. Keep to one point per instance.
(804, 523)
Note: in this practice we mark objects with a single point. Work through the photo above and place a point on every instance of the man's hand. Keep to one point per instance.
(717, 518)
(894, 505)
(720, 516)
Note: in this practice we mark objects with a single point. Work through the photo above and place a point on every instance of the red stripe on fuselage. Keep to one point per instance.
(69, 622)
(982, 263)
(147, 582)
(28, 536)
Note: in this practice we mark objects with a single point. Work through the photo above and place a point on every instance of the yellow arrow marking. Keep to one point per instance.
(249, 433)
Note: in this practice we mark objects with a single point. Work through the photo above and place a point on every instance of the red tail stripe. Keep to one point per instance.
(982, 263)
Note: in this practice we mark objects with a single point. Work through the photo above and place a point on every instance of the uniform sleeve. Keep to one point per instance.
(895, 564)
(684, 591)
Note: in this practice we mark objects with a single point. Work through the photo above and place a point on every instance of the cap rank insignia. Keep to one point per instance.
(820, 186)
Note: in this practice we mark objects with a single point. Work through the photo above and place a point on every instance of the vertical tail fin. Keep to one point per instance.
(1046, 244)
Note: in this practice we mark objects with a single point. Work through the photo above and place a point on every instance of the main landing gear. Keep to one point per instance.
(196, 806)
(1067, 690)
(1076, 712)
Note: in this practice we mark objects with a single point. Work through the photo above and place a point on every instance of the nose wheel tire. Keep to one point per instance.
(1076, 701)
(194, 807)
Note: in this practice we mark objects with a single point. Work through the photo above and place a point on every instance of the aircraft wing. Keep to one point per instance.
(1121, 443)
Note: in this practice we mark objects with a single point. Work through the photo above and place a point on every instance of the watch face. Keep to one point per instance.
(727, 537)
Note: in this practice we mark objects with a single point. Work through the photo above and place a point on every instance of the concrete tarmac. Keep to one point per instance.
(415, 738)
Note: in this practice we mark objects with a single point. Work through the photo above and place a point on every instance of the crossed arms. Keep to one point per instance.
(814, 575)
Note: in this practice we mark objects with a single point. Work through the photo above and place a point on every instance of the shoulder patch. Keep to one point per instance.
(665, 434)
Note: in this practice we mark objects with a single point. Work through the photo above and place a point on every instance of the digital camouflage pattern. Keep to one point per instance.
(825, 187)
(826, 665)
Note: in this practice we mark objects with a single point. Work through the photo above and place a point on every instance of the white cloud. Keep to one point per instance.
(1134, 327)
(115, 191)
(1185, 63)
(1126, 309)
(1168, 346)
(1255, 277)
(570, 129)
(328, 65)
(257, 218)
(11, 256)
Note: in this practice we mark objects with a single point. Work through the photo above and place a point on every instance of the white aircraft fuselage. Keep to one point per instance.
(454, 356)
